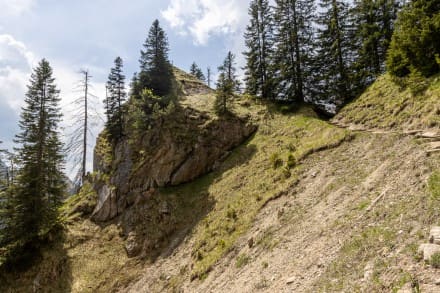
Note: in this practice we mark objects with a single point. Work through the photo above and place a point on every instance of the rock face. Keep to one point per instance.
(175, 151)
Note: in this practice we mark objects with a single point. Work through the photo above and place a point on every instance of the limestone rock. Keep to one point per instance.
(434, 235)
(171, 153)
(429, 250)
(132, 246)
(106, 208)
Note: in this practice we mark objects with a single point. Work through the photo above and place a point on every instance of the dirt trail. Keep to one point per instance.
(297, 238)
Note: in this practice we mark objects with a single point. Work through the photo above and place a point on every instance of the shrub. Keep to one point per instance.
(435, 260)
(276, 161)
(242, 260)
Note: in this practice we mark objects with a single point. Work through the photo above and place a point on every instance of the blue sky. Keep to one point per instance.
(89, 34)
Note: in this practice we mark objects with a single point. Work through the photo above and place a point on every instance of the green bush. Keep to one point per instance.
(276, 161)
(291, 161)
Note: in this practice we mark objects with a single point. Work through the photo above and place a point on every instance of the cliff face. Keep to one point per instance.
(175, 151)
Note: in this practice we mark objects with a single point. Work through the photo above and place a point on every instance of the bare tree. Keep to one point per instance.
(84, 114)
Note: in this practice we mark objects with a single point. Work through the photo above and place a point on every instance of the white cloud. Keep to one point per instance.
(15, 7)
(205, 18)
(16, 63)
(15, 66)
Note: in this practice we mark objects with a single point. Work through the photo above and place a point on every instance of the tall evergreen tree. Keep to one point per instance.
(415, 45)
(197, 72)
(227, 83)
(374, 24)
(334, 53)
(156, 71)
(40, 184)
(294, 48)
(116, 96)
(259, 42)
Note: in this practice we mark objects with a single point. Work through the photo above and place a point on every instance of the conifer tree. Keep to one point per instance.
(294, 48)
(197, 72)
(415, 45)
(374, 24)
(334, 53)
(116, 96)
(208, 76)
(156, 71)
(259, 43)
(227, 83)
(40, 184)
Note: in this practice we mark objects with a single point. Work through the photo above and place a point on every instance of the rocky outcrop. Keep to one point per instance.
(175, 151)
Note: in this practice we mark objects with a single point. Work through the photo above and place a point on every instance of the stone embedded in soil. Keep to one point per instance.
(434, 235)
(429, 250)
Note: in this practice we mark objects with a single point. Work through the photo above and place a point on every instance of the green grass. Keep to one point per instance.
(247, 179)
(242, 260)
(434, 185)
(435, 260)
(393, 103)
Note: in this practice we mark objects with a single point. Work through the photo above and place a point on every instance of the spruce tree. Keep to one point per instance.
(116, 96)
(259, 43)
(156, 71)
(197, 72)
(227, 83)
(374, 24)
(334, 53)
(208, 76)
(294, 48)
(40, 184)
(415, 45)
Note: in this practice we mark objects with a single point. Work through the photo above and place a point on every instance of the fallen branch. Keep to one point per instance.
(376, 200)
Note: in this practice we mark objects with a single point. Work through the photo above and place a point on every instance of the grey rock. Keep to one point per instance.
(132, 246)
(106, 207)
(166, 156)
(429, 250)
(434, 235)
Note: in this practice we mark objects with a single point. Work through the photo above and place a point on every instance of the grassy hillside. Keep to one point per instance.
(396, 103)
(302, 206)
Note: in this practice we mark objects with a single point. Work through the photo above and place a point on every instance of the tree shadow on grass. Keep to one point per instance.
(45, 269)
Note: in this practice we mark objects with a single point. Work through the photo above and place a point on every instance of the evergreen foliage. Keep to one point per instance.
(116, 96)
(415, 45)
(40, 184)
(294, 49)
(197, 72)
(373, 24)
(334, 53)
(208, 76)
(227, 83)
(156, 71)
(259, 42)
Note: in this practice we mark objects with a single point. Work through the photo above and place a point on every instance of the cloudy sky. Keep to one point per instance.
(89, 34)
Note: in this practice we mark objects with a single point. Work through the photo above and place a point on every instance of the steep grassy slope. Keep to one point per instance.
(351, 221)
(399, 104)
(302, 206)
